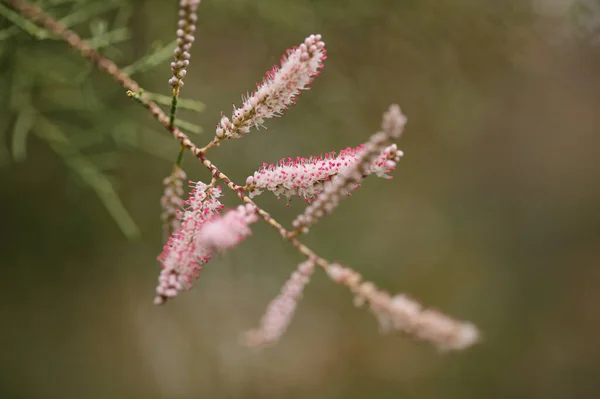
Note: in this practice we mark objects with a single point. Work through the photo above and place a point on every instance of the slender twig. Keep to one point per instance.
(173, 109)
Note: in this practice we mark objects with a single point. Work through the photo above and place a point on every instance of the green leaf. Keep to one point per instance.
(88, 173)
(182, 103)
(123, 16)
(109, 38)
(89, 10)
(190, 127)
(157, 144)
(22, 22)
(4, 153)
(23, 125)
(105, 161)
(151, 60)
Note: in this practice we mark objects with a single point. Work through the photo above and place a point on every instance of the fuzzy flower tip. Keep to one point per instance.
(186, 27)
(281, 310)
(278, 90)
(307, 177)
(225, 232)
(391, 128)
(401, 313)
(183, 255)
(172, 201)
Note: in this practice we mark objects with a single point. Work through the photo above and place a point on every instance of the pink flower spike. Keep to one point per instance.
(391, 128)
(278, 90)
(281, 310)
(182, 257)
(308, 177)
(172, 201)
(401, 313)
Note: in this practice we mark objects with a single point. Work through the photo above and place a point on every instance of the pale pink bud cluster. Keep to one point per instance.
(185, 37)
(183, 255)
(281, 310)
(225, 232)
(404, 314)
(172, 201)
(392, 127)
(307, 177)
(278, 90)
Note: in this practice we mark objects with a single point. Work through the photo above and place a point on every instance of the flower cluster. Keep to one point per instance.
(281, 310)
(404, 314)
(307, 177)
(392, 127)
(185, 37)
(183, 255)
(172, 201)
(278, 90)
(203, 231)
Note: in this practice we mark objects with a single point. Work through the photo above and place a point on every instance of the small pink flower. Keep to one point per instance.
(307, 177)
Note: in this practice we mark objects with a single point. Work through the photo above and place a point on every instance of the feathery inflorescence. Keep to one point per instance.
(401, 313)
(203, 231)
(281, 310)
(172, 201)
(278, 90)
(307, 177)
(183, 255)
(391, 129)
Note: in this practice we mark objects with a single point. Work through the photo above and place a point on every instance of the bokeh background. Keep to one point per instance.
(492, 215)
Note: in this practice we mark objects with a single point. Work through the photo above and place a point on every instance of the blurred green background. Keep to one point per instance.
(492, 215)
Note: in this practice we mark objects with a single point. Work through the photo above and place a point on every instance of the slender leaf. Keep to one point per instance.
(88, 173)
(151, 60)
(182, 103)
(23, 125)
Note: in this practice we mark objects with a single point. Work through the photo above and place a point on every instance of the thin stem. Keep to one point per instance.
(180, 156)
(214, 143)
(173, 109)
(172, 113)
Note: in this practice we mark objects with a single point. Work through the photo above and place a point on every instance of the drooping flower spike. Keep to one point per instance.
(403, 314)
(172, 201)
(281, 310)
(278, 90)
(203, 231)
(183, 256)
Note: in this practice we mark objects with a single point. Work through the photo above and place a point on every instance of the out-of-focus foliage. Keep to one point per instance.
(58, 102)
(585, 20)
